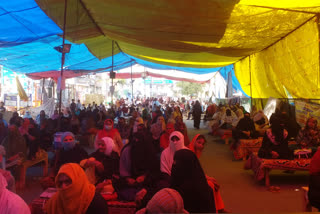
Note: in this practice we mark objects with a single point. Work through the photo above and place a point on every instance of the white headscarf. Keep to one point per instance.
(11, 203)
(259, 115)
(27, 115)
(168, 154)
(109, 145)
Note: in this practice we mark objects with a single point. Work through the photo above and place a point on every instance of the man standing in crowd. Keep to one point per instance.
(79, 105)
(73, 106)
(2, 108)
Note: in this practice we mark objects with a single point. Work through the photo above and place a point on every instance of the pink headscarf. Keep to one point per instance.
(9, 201)
(168, 154)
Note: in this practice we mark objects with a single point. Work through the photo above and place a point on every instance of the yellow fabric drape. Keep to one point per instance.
(22, 94)
(202, 34)
(297, 5)
(283, 46)
(101, 46)
(292, 63)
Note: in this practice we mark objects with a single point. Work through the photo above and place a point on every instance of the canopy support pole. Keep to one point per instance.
(250, 80)
(112, 89)
(150, 86)
(63, 53)
(131, 85)
(43, 80)
(318, 25)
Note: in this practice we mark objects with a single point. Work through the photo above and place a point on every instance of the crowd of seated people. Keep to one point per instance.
(276, 132)
(141, 152)
(128, 158)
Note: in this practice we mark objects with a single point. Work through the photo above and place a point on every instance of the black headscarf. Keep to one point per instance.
(246, 124)
(143, 155)
(188, 178)
(277, 130)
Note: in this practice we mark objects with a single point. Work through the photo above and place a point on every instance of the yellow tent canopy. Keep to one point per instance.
(204, 34)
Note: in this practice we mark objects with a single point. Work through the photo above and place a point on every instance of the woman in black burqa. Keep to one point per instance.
(188, 178)
(197, 111)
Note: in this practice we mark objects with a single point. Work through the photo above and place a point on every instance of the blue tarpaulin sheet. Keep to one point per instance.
(28, 37)
(23, 21)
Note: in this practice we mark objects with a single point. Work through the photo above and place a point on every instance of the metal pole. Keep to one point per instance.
(250, 81)
(63, 54)
(318, 24)
(131, 85)
(53, 91)
(150, 86)
(112, 76)
(43, 80)
(145, 90)
(1, 82)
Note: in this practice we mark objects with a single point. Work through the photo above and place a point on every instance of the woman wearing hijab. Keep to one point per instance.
(14, 144)
(275, 143)
(3, 131)
(188, 178)
(196, 146)
(75, 123)
(229, 120)
(27, 115)
(176, 143)
(109, 131)
(158, 128)
(139, 167)
(215, 122)
(261, 122)
(239, 112)
(143, 156)
(55, 115)
(11, 203)
(145, 166)
(314, 180)
(176, 113)
(181, 127)
(164, 139)
(245, 129)
(40, 117)
(75, 193)
(136, 123)
(125, 157)
(103, 163)
(197, 111)
(16, 149)
(70, 151)
(165, 201)
(309, 136)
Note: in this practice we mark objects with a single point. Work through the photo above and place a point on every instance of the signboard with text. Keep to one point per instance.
(10, 100)
(305, 110)
(155, 81)
(26, 103)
